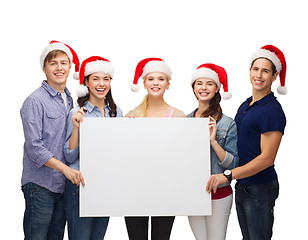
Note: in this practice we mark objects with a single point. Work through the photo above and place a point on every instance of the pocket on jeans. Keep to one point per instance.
(32, 187)
(252, 191)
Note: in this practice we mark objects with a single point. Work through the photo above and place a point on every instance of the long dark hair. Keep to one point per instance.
(214, 110)
(108, 100)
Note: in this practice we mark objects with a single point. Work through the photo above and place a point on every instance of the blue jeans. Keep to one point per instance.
(44, 216)
(255, 209)
(81, 228)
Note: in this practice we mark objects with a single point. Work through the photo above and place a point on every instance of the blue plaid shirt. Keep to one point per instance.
(43, 116)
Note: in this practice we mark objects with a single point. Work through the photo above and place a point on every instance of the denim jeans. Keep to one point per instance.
(44, 217)
(255, 209)
(81, 228)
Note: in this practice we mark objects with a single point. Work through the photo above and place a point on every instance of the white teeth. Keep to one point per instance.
(258, 81)
(59, 74)
(101, 89)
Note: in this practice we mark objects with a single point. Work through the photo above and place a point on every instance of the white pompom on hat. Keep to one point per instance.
(56, 45)
(216, 73)
(147, 66)
(276, 56)
(91, 65)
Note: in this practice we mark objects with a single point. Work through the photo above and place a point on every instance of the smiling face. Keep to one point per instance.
(99, 85)
(262, 76)
(156, 83)
(57, 71)
(205, 89)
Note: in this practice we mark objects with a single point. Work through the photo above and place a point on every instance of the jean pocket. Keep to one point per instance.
(251, 191)
(32, 187)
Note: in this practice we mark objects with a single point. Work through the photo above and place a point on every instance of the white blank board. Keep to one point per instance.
(144, 167)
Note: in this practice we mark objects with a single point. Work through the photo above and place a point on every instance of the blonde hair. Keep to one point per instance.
(141, 109)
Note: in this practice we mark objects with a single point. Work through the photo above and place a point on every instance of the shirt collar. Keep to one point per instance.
(52, 91)
(192, 114)
(263, 100)
(90, 107)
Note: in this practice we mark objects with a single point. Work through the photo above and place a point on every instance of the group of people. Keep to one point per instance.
(244, 148)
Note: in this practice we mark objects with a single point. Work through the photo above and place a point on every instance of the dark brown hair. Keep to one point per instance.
(274, 70)
(214, 110)
(108, 100)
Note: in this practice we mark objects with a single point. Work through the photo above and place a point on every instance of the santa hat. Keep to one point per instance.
(91, 65)
(276, 56)
(149, 65)
(56, 45)
(216, 73)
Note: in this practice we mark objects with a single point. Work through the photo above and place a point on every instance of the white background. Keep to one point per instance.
(185, 34)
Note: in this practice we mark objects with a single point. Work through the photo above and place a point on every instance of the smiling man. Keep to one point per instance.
(261, 122)
(43, 115)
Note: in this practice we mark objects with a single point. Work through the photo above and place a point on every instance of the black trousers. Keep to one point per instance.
(137, 227)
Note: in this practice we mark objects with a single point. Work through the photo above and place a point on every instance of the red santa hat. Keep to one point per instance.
(216, 73)
(91, 65)
(276, 56)
(56, 45)
(147, 66)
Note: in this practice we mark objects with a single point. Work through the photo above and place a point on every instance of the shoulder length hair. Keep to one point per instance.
(108, 100)
(214, 110)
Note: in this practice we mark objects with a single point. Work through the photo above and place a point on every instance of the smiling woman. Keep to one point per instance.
(156, 83)
(99, 86)
(96, 73)
(95, 100)
(206, 82)
(156, 75)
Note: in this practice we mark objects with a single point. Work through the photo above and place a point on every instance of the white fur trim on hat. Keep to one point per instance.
(55, 46)
(263, 53)
(76, 75)
(205, 73)
(82, 91)
(99, 66)
(282, 90)
(226, 95)
(134, 88)
(156, 66)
